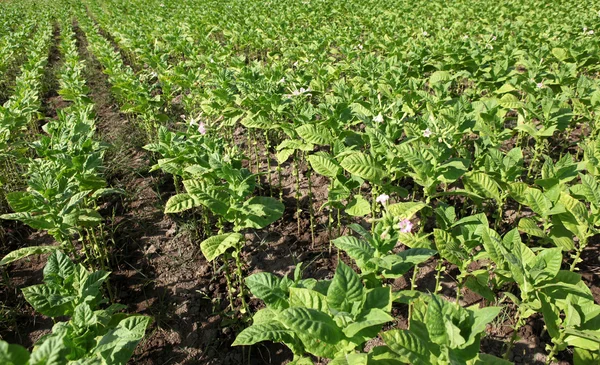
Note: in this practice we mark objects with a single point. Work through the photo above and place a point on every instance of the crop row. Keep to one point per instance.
(64, 184)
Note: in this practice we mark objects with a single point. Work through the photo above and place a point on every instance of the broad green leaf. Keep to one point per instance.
(529, 226)
(439, 76)
(374, 317)
(300, 297)
(266, 287)
(273, 331)
(435, 321)
(311, 323)
(13, 354)
(357, 249)
(315, 134)
(405, 210)
(482, 185)
(345, 289)
(324, 165)
(118, 344)
(215, 246)
(26, 251)
(509, 101)
(358, 207)
(262, 211)
(409, 348)
(180, 202)
(363, 166)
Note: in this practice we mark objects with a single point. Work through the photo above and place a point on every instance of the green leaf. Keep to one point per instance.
(374, 317)
(215, 246)
(300, 297)
(118, 344)
(324, 166)
(315, 134)
(560, 53)
(485, 359)
(529, 226)
(481, 184)
(363, 166)
(506, 88)
(585, 357)
(409, 348)
(261, 211)
(180, 202)
(405, 210)
(537, 201)
(345, 289)
(509, 101)
(266, 287)
(26, 251)
(273, 331)
(13, 354)
(358, 207)
(439, 76)
(49, 301)
(435, 322)
(311, 323)
(360, 251)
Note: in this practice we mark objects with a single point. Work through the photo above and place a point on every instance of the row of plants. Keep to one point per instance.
(11, 49)
(21, 111)
(65, 184)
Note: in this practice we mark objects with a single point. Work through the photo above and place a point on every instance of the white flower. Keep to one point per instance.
(281, 81)
(425, 34)
(295, 64)
(299, 92)
(494, 38)
(378, 118)
(360, 46)
(202, 128)
(162, 5)
(427, 133)
(465, 37)
(383, 198)
(540, 85)
(591, 32)
(490, 46)
(584, 29)
(211, 60)
(405, 226)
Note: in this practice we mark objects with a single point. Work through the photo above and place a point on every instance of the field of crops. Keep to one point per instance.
(351, 182)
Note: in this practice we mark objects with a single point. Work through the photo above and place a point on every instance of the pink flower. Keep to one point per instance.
(427, 133)
(202, 128)
(383, 198)
(405, 226)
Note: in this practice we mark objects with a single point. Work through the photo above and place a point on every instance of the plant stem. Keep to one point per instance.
(438, 275)
(298, 195)
(267, 147)
(228, 280)
(554, 350)
(413, 285)
(514, 336)
(310, 206)
(241, 289)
